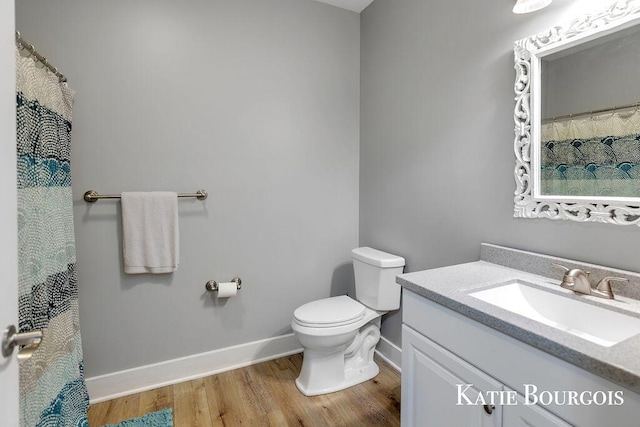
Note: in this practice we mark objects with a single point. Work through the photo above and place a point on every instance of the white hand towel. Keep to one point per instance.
(150, 232)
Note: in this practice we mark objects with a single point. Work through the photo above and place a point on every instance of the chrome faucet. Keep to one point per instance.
(578, 281)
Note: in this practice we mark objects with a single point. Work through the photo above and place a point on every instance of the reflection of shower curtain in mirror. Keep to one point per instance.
(596, 155)
(52, 388)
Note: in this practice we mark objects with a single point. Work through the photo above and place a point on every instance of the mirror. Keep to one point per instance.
(577, 119)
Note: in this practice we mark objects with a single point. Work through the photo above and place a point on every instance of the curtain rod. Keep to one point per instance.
(22, 44)
(588, 113)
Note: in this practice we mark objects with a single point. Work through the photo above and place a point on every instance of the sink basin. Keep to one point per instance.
(594, 323)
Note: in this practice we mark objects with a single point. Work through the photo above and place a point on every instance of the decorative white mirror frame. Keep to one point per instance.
(529, 203)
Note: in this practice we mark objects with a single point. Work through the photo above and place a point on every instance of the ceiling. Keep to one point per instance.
(355, 5)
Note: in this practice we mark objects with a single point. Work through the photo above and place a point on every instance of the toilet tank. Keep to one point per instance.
(375, 273)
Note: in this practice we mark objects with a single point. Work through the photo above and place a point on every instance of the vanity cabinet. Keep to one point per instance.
(442, 349)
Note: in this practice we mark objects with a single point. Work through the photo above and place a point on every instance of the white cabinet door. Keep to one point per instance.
(522, 415)
(430, 379)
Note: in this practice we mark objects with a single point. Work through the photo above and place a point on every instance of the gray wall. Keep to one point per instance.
(436, 149)
(603, 76)
(255, 101)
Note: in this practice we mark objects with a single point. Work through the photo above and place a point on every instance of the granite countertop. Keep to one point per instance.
(450, 287)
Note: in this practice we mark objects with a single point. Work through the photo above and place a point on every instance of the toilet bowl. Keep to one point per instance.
(339, 334)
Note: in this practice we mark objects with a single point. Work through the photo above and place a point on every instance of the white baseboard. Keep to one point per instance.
(390, 353)
(143, 378)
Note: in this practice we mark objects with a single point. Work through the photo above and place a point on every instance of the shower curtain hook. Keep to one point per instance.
(44, 62)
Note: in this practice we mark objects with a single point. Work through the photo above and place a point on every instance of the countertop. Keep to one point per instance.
(450, 287)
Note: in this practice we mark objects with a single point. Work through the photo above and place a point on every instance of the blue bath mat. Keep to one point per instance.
(163, 418)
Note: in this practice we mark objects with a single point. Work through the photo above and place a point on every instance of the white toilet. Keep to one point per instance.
(339, 334)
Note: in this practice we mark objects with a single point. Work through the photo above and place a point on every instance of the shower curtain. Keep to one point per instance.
(597, 155)
(52, 388)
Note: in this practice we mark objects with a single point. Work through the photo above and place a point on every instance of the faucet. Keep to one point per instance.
(578, 281)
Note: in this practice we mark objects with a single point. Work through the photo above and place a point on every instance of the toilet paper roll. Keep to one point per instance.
(227, 289)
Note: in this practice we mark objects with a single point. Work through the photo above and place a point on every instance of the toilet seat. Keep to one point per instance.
(329, 312)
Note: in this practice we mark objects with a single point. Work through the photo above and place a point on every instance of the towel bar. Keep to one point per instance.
(92, 196)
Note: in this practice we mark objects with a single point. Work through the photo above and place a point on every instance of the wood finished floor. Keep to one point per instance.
(261, 395)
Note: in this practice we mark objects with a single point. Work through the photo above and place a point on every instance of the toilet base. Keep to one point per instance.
(352, 377)
(329, 369)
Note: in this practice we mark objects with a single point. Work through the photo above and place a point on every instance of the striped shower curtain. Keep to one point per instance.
(596, 155)
(52, 388)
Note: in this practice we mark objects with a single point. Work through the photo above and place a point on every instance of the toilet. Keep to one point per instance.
(339, 334)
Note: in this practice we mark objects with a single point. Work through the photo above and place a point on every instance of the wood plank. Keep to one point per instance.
(276, 419)
(182, 406)
(233, 404)
(202, 414)
(155, 400)
(121, 409)
(376, 406)
(98, 413)
(190, 404)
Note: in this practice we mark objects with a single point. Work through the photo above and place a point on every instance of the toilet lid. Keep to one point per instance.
(329, 312)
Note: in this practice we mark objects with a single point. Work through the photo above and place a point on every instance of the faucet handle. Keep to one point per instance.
(604, 285)
(567, 280)
(561, 266)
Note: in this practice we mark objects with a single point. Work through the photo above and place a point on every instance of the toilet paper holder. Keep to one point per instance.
(212, 285)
